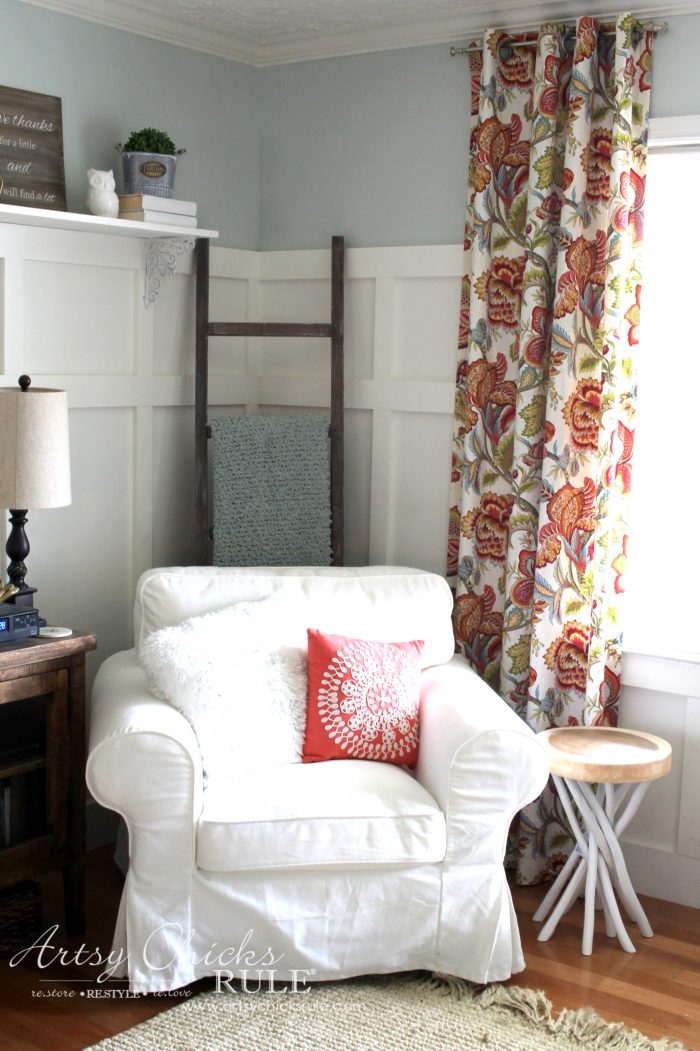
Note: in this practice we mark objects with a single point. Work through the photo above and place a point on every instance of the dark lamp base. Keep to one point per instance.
(24, 599)
(17, 549)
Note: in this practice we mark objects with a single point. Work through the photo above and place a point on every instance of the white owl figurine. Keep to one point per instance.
(101, 198)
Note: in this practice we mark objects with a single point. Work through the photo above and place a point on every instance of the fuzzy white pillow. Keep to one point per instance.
(244, 695)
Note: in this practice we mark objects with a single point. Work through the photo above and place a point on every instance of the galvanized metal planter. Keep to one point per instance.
(150, 173)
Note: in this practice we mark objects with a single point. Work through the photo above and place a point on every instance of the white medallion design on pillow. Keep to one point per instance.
(368, 702)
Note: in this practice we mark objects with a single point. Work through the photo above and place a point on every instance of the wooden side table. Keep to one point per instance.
(42, 764)
(621, 763)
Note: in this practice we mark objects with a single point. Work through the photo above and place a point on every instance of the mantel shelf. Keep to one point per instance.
(96, 224)
(162, 243)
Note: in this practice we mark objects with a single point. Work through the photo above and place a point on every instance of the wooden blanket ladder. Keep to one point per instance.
(205, 328)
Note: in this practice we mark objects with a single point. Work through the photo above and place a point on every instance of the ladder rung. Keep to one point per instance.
(267, 328)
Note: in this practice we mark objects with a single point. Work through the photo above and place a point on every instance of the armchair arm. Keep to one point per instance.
(144, 762)
(481, 763)
(143, 757)
(468, 731)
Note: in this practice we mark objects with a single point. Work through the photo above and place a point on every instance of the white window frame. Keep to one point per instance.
(666, 672)
(674, 131)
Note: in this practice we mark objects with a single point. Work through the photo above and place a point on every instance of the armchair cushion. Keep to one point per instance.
(350, 813)
(363, 699)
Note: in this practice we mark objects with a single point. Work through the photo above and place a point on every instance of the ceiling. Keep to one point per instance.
(271, 32)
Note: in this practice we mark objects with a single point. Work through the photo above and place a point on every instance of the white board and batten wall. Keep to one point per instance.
(72, 317)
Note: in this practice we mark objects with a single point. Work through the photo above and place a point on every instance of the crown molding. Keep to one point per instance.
(125, 16)
(290, 47)
(449, 28)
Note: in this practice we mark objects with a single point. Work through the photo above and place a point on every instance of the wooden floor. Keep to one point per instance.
(657, 990)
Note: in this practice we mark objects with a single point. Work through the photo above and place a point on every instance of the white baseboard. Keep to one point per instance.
(663, 874)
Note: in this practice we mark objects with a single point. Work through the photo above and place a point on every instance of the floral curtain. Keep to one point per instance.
(544, 412)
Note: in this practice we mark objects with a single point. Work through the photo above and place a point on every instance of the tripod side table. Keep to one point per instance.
(621, 763)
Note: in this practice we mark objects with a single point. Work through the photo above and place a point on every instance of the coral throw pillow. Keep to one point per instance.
(363, 699)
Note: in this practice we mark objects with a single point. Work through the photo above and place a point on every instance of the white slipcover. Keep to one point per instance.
(316, 815)
(334, 869)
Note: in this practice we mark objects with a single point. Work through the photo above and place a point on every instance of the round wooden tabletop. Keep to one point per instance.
(605, 754)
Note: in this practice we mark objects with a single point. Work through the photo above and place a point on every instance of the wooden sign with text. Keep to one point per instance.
(31, 150)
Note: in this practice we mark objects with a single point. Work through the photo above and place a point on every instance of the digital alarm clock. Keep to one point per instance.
(17, 623)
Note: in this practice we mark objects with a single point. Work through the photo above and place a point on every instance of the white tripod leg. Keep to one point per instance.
(553, 892)
(618, 868)
(589, 913)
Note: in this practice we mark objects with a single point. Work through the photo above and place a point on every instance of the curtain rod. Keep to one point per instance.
(656, 28)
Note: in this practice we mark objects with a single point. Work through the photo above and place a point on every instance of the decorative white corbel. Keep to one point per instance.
(161, 254)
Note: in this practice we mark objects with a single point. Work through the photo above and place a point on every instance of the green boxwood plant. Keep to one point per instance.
(149, 140)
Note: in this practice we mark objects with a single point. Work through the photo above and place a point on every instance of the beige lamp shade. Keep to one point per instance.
(34, 452)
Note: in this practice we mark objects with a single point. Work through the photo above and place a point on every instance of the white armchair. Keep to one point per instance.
(325, 870)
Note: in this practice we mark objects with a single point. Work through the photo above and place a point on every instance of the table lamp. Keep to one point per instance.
(34, 467)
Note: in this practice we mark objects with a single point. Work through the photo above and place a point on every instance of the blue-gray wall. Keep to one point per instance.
(112, 82)
(370, 146)
(373, 146)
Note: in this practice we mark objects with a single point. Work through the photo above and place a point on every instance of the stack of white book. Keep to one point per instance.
(145, 208)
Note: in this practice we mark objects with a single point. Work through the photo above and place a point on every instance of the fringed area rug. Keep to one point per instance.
(397, 1013)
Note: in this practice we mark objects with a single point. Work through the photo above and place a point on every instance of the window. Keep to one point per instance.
(662, 601)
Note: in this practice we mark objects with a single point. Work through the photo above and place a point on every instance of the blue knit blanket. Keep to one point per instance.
(271, 490)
